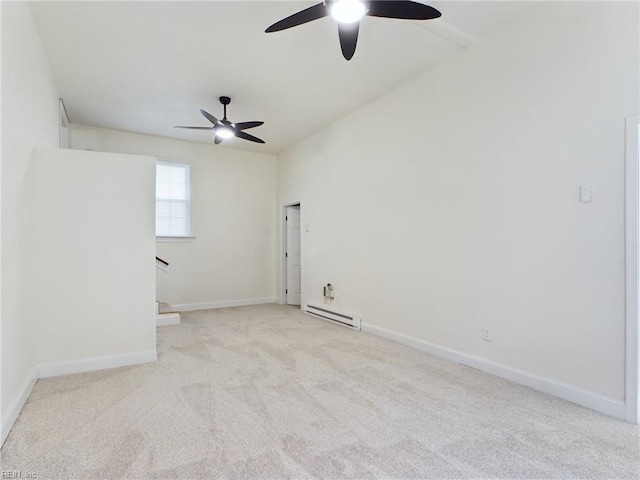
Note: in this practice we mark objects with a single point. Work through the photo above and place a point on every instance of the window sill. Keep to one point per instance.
(175, 239)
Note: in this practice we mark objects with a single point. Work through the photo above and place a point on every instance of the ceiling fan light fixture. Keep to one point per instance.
(348, 11)
(224, 132)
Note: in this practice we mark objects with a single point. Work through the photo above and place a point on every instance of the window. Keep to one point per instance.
(173, 200)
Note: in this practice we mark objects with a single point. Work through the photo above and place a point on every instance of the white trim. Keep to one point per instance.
(283, 250)
(95, 363)
(175, 239)
(165, 319)
(12, 414)
(188, 307)
(608, 406)
(44, 370)
(631, 262)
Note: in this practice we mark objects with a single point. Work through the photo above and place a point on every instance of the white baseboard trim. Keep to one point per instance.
(599, 403)
(44, 370)
(164, 319)
(95, 363)
(10, 417)
(188, 307)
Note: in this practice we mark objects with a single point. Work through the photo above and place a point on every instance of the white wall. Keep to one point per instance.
(94, 281)
(452, 202)
(29, 118)
(234, 216)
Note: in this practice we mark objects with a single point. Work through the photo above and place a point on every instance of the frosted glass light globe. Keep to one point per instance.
(348, 11)
(224, 132)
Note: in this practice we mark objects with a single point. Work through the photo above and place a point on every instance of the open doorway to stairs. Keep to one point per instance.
(291, 255)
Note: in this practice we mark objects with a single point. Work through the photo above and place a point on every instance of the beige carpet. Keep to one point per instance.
(267, 392)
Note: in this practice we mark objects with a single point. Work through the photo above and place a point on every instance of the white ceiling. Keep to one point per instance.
(146, 66)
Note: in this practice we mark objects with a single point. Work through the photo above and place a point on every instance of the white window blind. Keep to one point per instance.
(173, 200)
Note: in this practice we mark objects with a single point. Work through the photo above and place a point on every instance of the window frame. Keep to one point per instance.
(181, 238)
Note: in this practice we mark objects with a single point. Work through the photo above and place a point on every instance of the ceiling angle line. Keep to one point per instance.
(449, 32)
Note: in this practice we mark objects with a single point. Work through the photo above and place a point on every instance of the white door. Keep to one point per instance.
(292, 255)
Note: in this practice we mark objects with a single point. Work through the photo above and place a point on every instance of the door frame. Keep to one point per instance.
(283, 249)
(632, 235)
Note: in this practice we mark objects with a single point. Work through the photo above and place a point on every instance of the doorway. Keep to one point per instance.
(291, 255)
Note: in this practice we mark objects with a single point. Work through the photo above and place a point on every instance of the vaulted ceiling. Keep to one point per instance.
(147, 66)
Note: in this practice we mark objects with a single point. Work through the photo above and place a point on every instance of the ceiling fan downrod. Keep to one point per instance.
(225, 101)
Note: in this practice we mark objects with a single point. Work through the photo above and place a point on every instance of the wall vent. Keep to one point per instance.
(340, 318)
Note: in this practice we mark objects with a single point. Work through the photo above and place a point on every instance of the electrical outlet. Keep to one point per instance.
(487, 334)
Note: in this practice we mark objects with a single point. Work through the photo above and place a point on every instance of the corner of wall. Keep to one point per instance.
(30, 100)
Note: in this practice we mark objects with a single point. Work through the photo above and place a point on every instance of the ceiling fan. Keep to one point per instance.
(348, 14)
(224, 129)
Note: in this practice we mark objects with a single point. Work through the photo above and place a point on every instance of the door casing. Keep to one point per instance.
(632, 283)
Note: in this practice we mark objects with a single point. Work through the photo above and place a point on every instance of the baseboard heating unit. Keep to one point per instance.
(336, 317)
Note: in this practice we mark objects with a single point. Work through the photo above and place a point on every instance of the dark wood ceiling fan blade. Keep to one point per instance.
(404, 9)
(251, 138)
(304, 16)
(195, 128)
(217, 140)
(246, 125)
(348, 34)
(210, 117)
